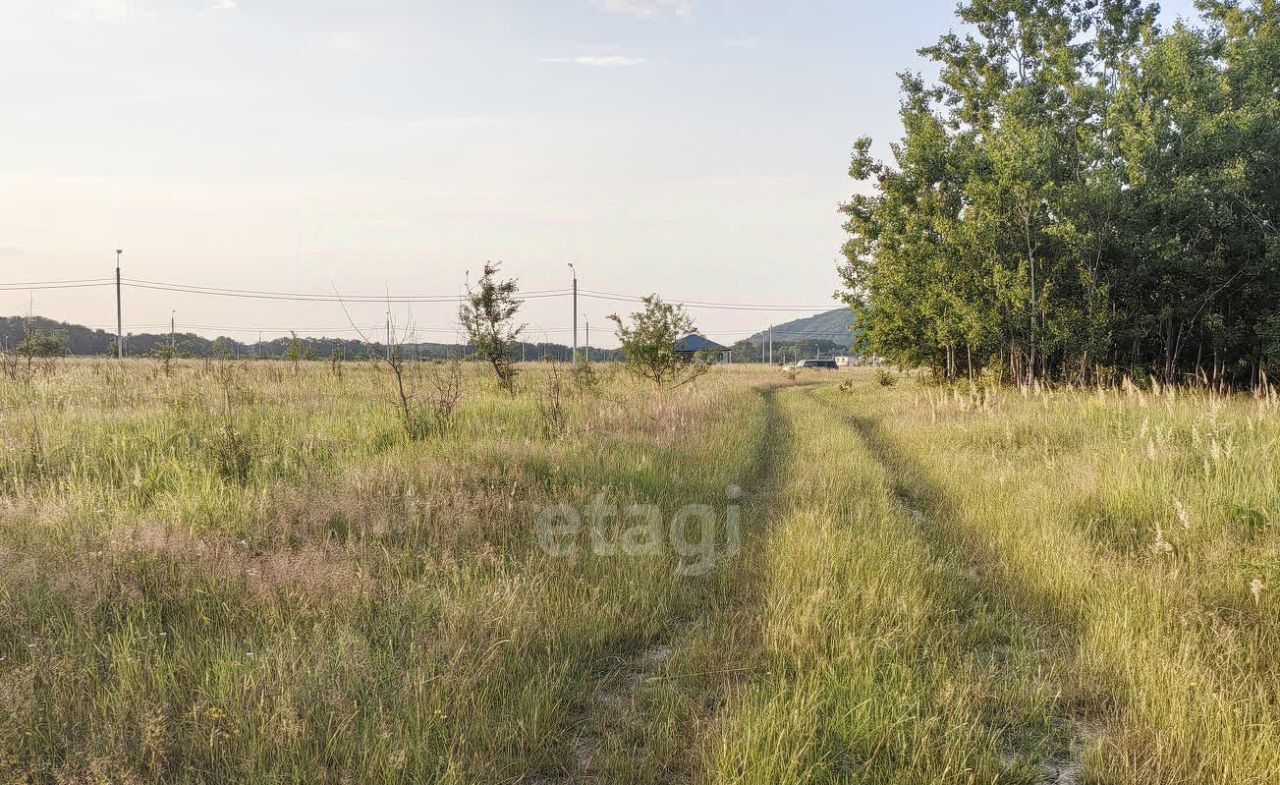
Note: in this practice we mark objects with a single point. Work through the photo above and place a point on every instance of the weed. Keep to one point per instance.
(444, 392)
(10, 367)
(585, 378)
(551, 404)
(336, 358)
(232, 452)
(885, 378)
(247, 575)
(165, 354)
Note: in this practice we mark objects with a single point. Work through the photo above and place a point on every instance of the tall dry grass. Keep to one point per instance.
(1019, 586)
(934, 586)
(356, 606)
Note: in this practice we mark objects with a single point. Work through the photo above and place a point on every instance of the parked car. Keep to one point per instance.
(829, 365)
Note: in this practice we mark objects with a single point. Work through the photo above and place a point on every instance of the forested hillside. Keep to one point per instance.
(1080, 195)
(835, 325)
(78, 340)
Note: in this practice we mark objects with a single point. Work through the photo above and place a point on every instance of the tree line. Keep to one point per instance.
(1079, 195)
(52, 338)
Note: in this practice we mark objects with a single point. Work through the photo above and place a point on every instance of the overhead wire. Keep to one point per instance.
(312, 297)
(219, 291)
(257, 294)
(38, 286)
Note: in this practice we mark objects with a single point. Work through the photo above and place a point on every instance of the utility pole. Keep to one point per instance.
(173, 331)
(119, 311)
(771, 344)
(588, 347)
(574, 356)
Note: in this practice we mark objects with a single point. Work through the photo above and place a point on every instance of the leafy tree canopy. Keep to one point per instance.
(1079, 195)
(649, 343)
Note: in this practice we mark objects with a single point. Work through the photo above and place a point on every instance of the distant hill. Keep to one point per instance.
(834, 325)
(82, 341)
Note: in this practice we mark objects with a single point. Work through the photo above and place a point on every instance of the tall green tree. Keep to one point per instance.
(1078, 195)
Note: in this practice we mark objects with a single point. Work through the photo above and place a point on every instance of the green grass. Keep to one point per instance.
(934, 586)
(363, 607)
(988, 586)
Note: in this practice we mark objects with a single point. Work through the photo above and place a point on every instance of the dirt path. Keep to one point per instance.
(642, 710)
(652, 707)
(1054, 755)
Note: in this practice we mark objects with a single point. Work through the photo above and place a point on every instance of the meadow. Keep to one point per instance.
(253, 572)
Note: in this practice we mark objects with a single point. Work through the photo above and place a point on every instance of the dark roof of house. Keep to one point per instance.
(696, 343)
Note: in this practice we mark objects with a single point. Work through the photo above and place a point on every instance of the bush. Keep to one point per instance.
(43, 345)
(488, 317)
(444, 392)
(232, 454)
(551, 405)
(649, 343)
(585, 378)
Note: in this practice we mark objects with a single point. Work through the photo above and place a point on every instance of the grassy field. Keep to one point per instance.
(249, 573)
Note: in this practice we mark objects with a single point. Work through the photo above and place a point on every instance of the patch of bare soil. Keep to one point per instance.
(612, 701)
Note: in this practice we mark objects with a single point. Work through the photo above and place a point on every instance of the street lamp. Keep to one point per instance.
(119, 311)
(574, 356)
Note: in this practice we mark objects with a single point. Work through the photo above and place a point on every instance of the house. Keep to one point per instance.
(850, 360)
(691, 345)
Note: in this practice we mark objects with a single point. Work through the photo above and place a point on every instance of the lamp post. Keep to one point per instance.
(574, 356)
(119, 311)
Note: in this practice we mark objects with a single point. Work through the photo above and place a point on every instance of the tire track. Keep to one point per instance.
(928, 507)
(614, 718)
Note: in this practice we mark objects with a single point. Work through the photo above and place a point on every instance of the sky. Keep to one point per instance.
(697, 149)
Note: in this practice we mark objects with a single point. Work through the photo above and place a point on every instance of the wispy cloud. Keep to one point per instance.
(464, 122)
(98, 11)
(224, 5)
(647, 8)
(607, 61)
(742, 42)
(350, 41)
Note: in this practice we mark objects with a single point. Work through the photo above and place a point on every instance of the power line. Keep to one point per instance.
(437, 298)
(285, 330)
(782, 331)
(255, 294)
(347, 329)
(258, 294)
(63, 281)
(51, 285)
(701, 304)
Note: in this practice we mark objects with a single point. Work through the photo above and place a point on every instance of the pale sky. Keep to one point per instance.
(693, 148)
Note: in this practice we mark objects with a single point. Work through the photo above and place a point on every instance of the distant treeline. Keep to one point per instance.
(77, 340)
(747, 351)
(1080, 195)
(83, 341)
